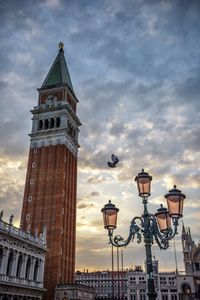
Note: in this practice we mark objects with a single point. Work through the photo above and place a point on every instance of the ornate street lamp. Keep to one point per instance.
(153, 227)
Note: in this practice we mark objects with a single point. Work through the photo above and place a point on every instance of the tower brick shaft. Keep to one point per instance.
(51, 181)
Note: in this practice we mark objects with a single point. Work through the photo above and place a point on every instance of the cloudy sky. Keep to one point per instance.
(135, 67)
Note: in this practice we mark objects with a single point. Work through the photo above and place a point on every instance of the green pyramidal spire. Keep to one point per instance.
(58, 73)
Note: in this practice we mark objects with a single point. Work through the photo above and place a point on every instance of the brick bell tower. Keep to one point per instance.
(51, 180)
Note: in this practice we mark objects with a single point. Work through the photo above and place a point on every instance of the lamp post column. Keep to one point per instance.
(150, 281)
(148, 242)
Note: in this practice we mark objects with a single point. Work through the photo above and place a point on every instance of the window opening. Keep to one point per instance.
(57, 122)
(19, 266)
(10, 263)
(28, 266)
(52, 123)
(46, 124)
(40, 125)
(35, 271)
(29, 198)
(28, 217)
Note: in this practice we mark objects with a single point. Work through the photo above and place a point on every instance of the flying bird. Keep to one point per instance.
(114, 162)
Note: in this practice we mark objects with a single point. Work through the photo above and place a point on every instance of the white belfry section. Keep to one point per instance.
(55, 123)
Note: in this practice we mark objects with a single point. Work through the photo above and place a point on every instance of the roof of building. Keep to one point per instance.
(58, 73)
(38, 241)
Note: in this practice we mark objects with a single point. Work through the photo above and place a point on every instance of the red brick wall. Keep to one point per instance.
(54, 205)
(71, 101)
(59, 94)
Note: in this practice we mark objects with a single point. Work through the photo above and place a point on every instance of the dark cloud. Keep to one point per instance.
(83, 201)
(96, 179)
(189, 91)
(83, 206)
(11, 193)
(94, 194)
(135, 68)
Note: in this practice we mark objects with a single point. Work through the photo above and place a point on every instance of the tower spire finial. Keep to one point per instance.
(61, 46)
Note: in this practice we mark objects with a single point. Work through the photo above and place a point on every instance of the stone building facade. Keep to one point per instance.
(168, 285)
(107, 284)
(132, 285)
(22, 259)
(74, 292)
(191, 257)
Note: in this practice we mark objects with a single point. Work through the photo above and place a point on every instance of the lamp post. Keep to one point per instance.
(154, 227)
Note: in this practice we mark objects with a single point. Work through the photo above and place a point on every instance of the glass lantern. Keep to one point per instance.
(163, 219)
(175, 199)
(110, 215)
(143, 180)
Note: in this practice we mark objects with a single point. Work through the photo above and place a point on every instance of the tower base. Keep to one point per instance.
(74, 291)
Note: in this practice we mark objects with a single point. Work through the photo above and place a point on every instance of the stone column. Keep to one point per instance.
(23, 268)
(41, 271)
(137, 294)
(32, 268)
(4, 261)
(20, 270)
(15, 262)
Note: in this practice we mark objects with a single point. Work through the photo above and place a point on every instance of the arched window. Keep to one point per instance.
(32, 181)
(186, 289)
(40, 125)
(70, 129)
(19, 266)
(57, 122)
(30, 198)
(10, 263)
(46, 124)
(1, 256)
(28, 266)
(35, 275)
(68, 123)
(52, 123)
(74, 133)
(33, 165)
